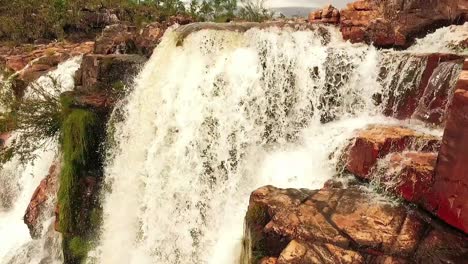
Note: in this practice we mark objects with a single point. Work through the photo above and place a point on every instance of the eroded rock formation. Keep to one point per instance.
(397, 22)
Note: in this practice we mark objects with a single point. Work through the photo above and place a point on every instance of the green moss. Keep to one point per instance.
(79, 247)
(77, 138)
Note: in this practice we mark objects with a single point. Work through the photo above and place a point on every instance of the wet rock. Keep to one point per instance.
(376, 141)
(409, 175)
(432, 106)
(343, 225)
(396, 23)
(428, 99)
(45, 193)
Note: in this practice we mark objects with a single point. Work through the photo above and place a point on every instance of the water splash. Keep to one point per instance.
(444, 40)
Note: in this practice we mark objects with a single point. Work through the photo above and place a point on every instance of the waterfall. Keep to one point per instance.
(214, 115)
(18, 183)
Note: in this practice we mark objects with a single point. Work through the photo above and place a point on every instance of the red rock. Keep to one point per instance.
(428, 99)
(3, 138)
(328, 14)
(409, 175)
(46, 190)
(396, 23)
(268, 260)
(377, 141)
(451, 181)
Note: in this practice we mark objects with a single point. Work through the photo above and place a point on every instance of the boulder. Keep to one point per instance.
(44, 194)
(396, 23)
(343, 225)
(377, 141)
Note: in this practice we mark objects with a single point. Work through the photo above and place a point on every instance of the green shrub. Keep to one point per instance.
(79, 247)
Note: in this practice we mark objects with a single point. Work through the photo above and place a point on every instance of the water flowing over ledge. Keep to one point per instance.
(223, 112)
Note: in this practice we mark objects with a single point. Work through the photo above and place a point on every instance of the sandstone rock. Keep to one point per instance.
(105, 72)
(375, 229)
(377, 141)
(44, 193)
(409, 175)
(396, 23)
(329, 14)
(3, 138)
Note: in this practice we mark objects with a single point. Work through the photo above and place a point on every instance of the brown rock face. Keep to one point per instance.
(377, 141)
(336, 225)
(44, 193)
(451, 181)
(102, 72)
(116, 39)
(397, 22)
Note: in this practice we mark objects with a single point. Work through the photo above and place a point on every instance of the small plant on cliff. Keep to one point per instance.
(35, 118)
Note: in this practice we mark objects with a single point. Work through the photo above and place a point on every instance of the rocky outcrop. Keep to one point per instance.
(377, 141)
(336, 225)
(44, 194)
(104, 72)
(396, 23)
(27, 65)
(328, 14)
(126, 39)
(451, 181)
(116, 39)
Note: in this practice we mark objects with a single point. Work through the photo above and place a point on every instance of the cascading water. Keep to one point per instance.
(219, 113)
(444, 40)
(17, 184)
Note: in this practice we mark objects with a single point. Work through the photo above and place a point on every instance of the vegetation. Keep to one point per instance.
(36, 117)
(23, 21)
(254, 10)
